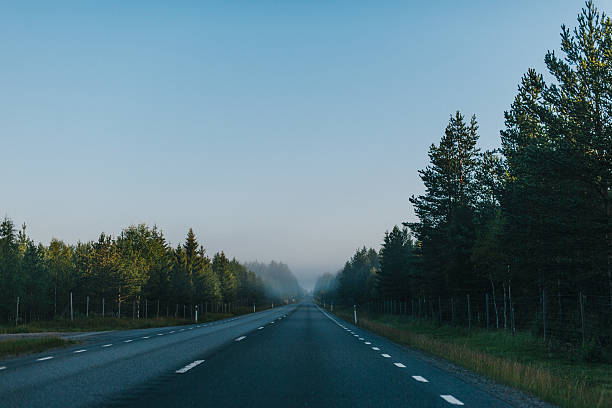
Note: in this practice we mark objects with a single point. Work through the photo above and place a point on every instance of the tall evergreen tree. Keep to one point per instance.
(445, 228)
(397, 278)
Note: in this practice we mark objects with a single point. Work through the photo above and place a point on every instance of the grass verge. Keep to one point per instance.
(22, 346)
(520, 361)
(83, 324)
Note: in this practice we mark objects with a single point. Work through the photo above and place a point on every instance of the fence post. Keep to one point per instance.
(71, 311)
(582, 316)
(469, 313)
(544, 312)
(87, 307)
(17, 314)
(102, 307)
(505, 313)
(487, 307)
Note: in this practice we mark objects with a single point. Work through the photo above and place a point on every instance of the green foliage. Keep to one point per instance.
(357, 280)
(397, 278)
(531, 219)
(136, 267)
(279, 281)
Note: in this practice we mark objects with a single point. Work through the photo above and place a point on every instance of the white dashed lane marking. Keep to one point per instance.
(189, 367)
(3, 368)
(419, 378)
(44, 358)
(146, 337)
(451, 400)
(375, 348)
(241, 338)
(259, 328)
(128, 341)
(386, 355)
(107, 345)
(368, 343)
(361, 338)
(160, 334)
(400, 365)
(79, 351)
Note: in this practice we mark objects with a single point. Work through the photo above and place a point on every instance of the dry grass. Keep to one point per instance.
(564, 383)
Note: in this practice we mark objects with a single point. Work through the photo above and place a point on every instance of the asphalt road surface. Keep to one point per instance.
(291, 356)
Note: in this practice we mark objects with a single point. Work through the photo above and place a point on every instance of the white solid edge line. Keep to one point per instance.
(386, 355)
(240, 338)
(79, 351)
(451, 400)
(400, 365)
(419, 378)
(44, 358)
(107, 345)
(189, 367)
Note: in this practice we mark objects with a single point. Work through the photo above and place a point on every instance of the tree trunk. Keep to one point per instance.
(608, 242)
(494, 302)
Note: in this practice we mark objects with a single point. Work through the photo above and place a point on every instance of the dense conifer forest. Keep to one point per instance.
(519, 235)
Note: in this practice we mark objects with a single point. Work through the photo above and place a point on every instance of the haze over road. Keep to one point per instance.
(295, 355)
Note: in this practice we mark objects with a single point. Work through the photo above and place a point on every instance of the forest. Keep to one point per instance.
(137, 269)
(518, 236)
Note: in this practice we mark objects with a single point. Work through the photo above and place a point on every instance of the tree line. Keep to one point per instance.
(531, 218)
(136, 265)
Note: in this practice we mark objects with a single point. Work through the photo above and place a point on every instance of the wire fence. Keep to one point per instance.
(580, 319)
(74, 306)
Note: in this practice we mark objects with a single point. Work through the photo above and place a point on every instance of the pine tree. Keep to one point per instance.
(396, 279)
(445, 230)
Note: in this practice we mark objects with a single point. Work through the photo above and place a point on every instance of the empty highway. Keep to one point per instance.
(291, 356)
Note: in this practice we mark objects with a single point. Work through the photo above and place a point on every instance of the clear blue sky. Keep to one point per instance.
(287, 130)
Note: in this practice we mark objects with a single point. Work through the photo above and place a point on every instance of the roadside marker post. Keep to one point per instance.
(355, 313)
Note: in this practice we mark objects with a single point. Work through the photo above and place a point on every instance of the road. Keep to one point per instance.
(291, 356)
